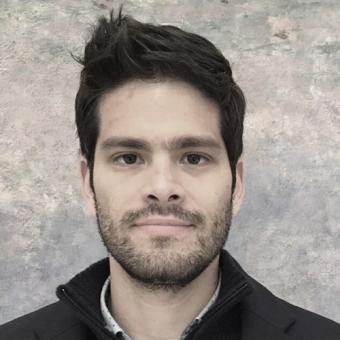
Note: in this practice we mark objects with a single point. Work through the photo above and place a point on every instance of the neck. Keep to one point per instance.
(146, 314)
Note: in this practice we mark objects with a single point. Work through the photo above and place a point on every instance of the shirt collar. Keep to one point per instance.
(113, 326)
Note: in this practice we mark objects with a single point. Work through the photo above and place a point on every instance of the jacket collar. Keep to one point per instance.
(260, 308)
(264, 316)
(82, 294)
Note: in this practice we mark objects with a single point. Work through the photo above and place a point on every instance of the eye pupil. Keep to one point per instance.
(129, 157)
(194, 157)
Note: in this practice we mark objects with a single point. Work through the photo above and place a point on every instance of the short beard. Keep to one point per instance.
(162, 268)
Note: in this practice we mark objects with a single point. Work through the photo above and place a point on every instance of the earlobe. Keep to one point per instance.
(238, 193)
(87, 190)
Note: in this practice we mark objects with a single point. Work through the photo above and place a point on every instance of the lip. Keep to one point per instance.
(162, 222)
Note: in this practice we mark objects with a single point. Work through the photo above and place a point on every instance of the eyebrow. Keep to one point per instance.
(176, 143)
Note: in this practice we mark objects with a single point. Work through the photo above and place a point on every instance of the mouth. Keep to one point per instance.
(163, 227)
(162, 222)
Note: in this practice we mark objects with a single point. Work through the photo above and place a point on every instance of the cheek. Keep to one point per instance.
(211, 196)
(104, 191)
(114, 194)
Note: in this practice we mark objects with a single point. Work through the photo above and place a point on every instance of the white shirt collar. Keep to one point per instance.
(113, 326)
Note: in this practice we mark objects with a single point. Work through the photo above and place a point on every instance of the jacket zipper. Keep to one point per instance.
(214, 310)
(94, 321)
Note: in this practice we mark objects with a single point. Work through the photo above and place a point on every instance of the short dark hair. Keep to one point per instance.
(123, 49)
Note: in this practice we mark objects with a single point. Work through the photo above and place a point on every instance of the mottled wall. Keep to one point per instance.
(285, 55)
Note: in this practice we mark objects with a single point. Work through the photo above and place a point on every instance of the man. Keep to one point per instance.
(160, 123)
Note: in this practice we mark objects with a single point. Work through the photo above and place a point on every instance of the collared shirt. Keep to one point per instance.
(113, 326)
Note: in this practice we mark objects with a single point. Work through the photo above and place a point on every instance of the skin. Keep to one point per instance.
(156, 298)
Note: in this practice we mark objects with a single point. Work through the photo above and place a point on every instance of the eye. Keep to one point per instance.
(194, 158)
(129, 159)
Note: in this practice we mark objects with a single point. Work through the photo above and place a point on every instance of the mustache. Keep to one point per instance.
(174, 210)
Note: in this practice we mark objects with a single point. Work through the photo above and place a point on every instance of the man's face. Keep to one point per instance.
(167, 176)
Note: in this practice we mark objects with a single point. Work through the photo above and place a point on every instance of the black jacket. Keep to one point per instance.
(244, 310)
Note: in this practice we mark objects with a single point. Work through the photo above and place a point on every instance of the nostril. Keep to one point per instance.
(172, 197)
(152, 197)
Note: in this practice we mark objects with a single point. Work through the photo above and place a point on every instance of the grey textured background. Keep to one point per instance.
(286, 57)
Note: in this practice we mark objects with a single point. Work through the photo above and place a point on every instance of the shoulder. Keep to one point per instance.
(267, 311)
(55, 321)
(312, 324)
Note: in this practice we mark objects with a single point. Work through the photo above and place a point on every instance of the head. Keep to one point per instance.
(160, 122)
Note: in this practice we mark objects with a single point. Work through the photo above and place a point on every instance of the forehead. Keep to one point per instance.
(158, 111)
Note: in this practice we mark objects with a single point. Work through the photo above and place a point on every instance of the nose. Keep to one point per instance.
(163, 185)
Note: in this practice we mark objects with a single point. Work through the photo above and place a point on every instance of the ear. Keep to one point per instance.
(87, 191)
(238, 193)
